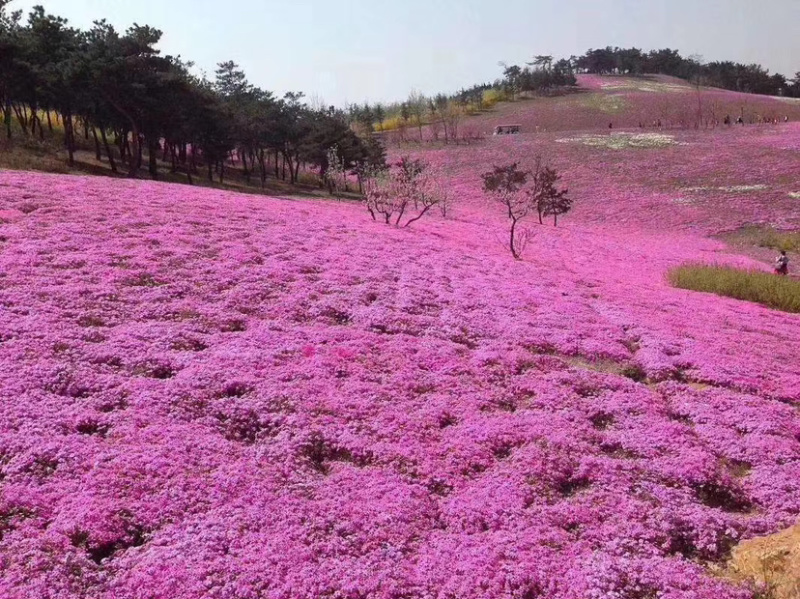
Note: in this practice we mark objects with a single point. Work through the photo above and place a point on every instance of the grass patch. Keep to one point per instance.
(605, 103)
(765, 237)
(788, 241)
(762, 288)
(32, 156)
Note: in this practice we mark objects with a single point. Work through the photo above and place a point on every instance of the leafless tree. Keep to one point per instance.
(405, 193)
(452, 116)
(416, 107)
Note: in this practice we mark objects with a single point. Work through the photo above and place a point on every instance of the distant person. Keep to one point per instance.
(786, 119)
(727, 120)
(782, 264)
(740, 121)
(611, 125)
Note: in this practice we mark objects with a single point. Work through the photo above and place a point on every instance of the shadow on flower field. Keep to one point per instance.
(211, 394)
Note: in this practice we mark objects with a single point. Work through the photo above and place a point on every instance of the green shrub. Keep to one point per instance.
(774, 291)
(492, 97)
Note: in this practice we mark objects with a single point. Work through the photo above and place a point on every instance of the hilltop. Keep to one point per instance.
(628, 102)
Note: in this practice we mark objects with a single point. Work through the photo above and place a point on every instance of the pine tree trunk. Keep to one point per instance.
(97, 152)
(152, 158)
(109, 152)
(69, 137)
(134, 152)
(7, 118)
(21, 118)
(263, 167)
(139, 153)
(121, 141)
(32, 120)
(243, 158)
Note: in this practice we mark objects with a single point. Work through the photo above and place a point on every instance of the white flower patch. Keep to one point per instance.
(728, 189)
(642, 86)
(621, 141)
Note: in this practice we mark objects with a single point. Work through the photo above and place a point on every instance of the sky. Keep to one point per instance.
(377, 50)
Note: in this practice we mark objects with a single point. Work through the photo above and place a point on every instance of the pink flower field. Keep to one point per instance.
(205, 394)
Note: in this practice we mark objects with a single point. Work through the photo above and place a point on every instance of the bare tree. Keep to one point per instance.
(445, 194)
(409, 190)
(698, 80)
(452, 117)
(402, 125)
(416, 107)
(434, 120)
(335, 176)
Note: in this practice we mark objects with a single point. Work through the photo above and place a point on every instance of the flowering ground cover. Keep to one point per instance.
(211, 395)
(700, 181)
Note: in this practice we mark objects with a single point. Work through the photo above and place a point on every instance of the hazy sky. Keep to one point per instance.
(355, 50)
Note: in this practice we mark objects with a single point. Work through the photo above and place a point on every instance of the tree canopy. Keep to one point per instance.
(119, 83)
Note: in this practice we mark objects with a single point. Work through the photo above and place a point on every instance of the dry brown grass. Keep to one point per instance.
(764, 237)
(771, 563)
(31, 157)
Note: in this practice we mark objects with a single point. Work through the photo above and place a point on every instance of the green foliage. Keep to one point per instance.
(505, 185)
(492, 97)
(752, 78)
(544, 194)
(118, 84)
(504, 180)
(781, 293)
(522, 192)
(541, 76)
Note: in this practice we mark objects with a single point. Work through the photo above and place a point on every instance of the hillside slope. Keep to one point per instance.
(628, 102)
(206, 394)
